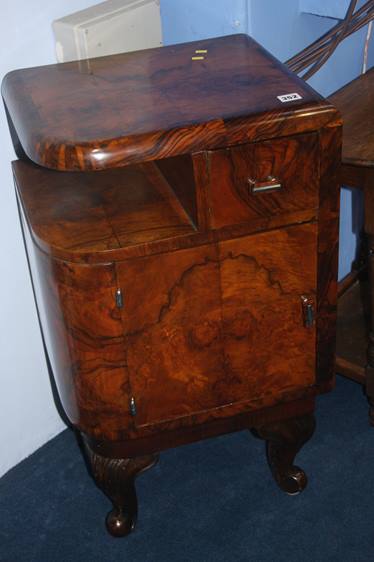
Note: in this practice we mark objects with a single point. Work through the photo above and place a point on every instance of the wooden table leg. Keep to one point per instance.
(369, 230)
(116, 478)
(284, 440)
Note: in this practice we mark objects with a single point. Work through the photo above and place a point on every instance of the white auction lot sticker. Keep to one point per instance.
(289, 97)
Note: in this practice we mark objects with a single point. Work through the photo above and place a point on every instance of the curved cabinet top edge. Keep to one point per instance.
(122, 109)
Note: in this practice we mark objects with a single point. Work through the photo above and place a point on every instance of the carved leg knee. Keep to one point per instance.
(116, 478)
(284, 440)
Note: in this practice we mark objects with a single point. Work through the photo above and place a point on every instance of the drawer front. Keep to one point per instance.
(264, 179)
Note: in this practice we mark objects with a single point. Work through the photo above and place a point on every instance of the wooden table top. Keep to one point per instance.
(355, 101)
(112, 111)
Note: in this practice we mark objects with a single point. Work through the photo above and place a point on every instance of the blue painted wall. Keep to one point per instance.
(331, 8)
(189, 20)
(283, 28)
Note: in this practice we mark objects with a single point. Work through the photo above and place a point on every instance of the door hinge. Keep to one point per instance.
(132, 406)
(308, 311)
(119, 298)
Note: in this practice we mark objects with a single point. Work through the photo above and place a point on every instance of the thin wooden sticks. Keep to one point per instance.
(316, 54)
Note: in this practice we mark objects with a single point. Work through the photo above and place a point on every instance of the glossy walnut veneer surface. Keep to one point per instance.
(158, 206)
(112, 111)
(76, 215)
(293, 161)
(190, 349)
(195, 306)
(175, 297)
(208, 270)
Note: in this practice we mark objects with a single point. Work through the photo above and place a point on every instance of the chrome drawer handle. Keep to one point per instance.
(265, 186)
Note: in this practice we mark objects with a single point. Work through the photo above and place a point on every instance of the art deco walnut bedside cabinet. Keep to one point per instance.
(180, 214)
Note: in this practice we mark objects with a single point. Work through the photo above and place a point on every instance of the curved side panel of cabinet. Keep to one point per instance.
(84, 340)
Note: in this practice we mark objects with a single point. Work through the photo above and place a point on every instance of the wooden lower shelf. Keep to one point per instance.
(101, 211)
(352, 331)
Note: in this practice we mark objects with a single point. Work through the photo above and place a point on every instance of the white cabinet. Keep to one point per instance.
(110, 27)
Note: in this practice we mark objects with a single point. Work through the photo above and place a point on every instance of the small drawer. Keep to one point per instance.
(264, 179)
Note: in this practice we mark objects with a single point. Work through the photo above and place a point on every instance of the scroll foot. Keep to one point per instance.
(116, 478)
(284, 440)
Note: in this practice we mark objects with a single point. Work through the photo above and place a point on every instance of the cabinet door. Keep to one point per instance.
(172, 324)
(220, 325)
(268, 349)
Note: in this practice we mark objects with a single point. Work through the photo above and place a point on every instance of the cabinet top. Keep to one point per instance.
(112, 111)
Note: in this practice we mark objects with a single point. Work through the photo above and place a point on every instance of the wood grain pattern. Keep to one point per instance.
(263, 279)
(155, 104)
(103, 217)
(177, 339)
(190, 344)
(85, 344)
(173, 333)
(328, 236)
(99, 212)
(179, 173)
(211, 332)
(155, 439)
(51, 320)
(293, 162)
(356, 103)
(194, 325)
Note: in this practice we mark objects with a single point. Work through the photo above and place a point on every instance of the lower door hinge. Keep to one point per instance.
(132, 406)
(119, 298)
(308, 311)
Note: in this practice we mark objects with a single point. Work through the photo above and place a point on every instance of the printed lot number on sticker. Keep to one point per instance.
(289, 97)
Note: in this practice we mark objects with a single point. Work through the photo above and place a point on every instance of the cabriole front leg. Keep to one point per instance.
(284, 440)
(116, 478)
